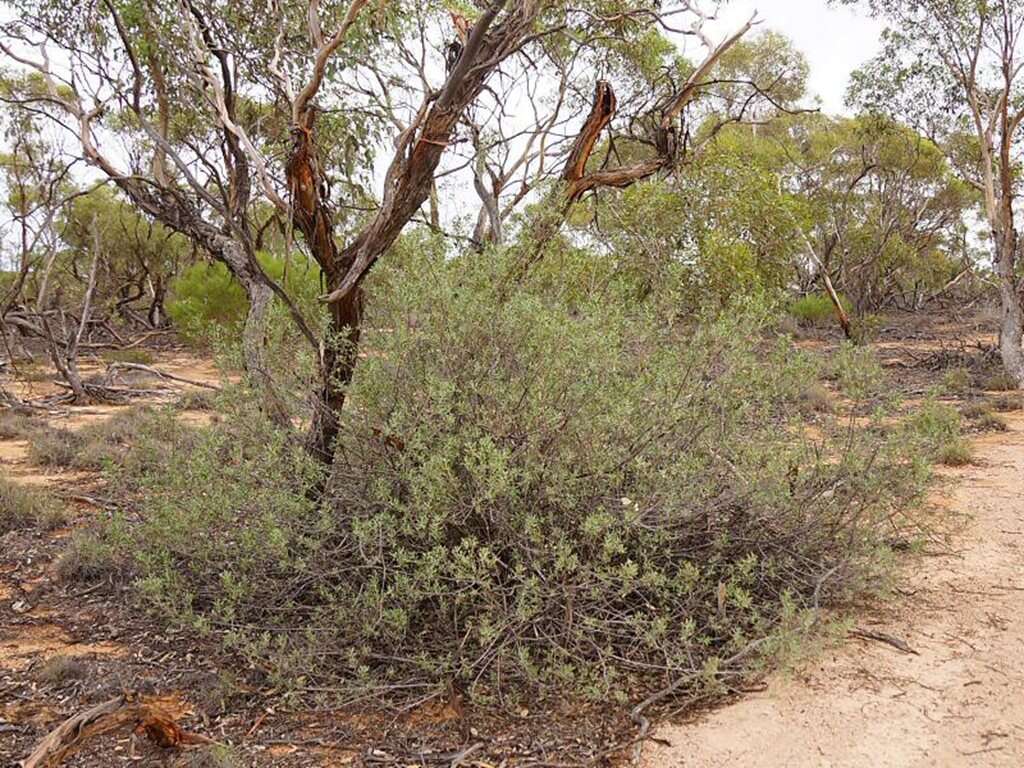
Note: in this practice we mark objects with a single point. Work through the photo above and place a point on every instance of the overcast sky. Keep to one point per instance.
(835, 40)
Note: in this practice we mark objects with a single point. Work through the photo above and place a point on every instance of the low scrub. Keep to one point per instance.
(89, 557)
(105, 443)
(17, 426)
(939, 428)
(22, 506)
(528, 497)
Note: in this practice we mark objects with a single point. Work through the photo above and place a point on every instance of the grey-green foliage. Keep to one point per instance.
(528, 493)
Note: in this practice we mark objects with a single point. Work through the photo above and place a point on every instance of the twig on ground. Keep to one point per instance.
(883, 637)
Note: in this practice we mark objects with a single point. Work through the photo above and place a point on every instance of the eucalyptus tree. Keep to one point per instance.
(111, 74)
(140, 257)
(879, 206)
(196, 109)
(952, 68)
(39, 182)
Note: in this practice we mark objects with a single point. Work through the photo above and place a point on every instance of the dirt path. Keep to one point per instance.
(960, 702)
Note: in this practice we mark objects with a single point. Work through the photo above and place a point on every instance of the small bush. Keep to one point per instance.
(22, 506)
(866, 328)
(991, 422)
(975, 409)
(857, 372)
(1006, 403)
(196, 400)
(817, 309)
(983, 418)
(14, 425)
(107, 442)
(938, 428)
(957, 381)
(955, 454)
(54, 447)
(89, 557)
(815, 398)
(103, 443)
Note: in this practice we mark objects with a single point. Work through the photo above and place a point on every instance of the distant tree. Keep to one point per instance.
(140, 256)
(880, 207)
(952, 69)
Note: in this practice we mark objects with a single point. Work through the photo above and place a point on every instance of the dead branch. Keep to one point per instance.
(155, 716)
(113, 368)
(601, 113)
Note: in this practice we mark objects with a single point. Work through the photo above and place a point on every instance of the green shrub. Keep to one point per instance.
(937, 428)
(22, 506)
(208, 305)
(527, 496)
(857, 372)
(817, 309)
(206, 300)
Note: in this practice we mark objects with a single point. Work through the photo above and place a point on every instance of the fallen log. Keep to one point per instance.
(156, 717)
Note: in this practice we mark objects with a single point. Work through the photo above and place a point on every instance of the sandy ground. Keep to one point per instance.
(959, 702)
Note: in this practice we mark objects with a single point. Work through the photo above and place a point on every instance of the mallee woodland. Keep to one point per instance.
(509, 383)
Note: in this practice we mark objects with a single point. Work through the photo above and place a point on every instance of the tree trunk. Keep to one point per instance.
(254, 333)
(1011, 333)
(341, 353)
(314, 218)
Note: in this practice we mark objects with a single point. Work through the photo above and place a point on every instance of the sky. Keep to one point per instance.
(835, 40)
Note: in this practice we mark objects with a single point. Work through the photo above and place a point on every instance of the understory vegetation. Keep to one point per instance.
(536, 496)
(575, 404)
(25, 507)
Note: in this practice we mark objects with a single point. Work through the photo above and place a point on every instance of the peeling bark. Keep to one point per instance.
(408, 185)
